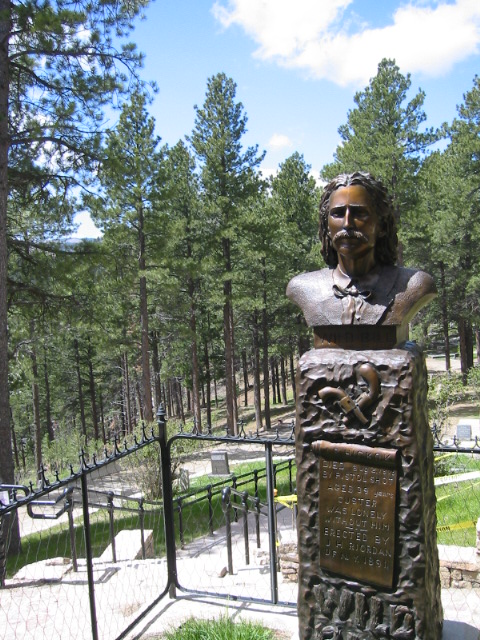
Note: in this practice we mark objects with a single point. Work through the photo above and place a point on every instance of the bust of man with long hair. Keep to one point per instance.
(362, 284)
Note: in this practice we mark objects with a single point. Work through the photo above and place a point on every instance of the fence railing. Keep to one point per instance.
(79, 517)
(55, 519)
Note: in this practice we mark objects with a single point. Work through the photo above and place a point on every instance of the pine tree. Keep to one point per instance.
(464, 162)
(182, 256)
(58, 68)
(132, 177)
(228, 182)
(383, 136)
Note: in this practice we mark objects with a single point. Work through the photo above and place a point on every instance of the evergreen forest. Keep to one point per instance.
(184, 293)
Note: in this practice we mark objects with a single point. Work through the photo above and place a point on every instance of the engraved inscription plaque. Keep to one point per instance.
(358, 486)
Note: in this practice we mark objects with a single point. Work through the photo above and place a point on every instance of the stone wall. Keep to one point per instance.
(459, 567)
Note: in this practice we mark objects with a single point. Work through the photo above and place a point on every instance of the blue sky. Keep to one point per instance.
(298, 63)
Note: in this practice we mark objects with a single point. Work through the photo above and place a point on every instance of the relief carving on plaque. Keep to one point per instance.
(351, 403)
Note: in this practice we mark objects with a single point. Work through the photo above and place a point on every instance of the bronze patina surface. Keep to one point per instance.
(368, 569)
(388, 415)
(362, 337)
(358, 487)
(362, 285)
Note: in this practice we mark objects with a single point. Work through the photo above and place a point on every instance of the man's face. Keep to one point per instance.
(353, 224)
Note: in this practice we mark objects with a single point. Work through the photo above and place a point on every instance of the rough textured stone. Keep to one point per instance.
(330, 605)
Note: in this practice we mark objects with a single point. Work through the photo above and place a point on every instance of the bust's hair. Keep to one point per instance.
(386, 245)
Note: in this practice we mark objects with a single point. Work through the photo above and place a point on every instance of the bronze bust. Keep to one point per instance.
(362, 284)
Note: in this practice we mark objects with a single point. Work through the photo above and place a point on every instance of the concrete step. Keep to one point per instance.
(128, 546)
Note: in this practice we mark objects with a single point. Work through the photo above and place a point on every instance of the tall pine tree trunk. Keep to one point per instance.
(37, 426)
(14, 444)
(157, 385)
(292, 377)
(179, 399)
(208, 383)
(169, 398)
(102, 418)
(127, 394)
(228, 339)
(284, 380)
(139, 403)
(7, 474)
(274, 386)
(257, 400)
(245, 377)
(444, 307)
(146, 387)
(197, 413)
(266, 386)
(466, 346)
(93, 399)
(234, 377)
(81, 402)
(277, 379)
(48, 404)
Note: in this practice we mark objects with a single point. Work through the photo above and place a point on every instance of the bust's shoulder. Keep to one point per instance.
(415, 280)
(309, 282)
(413, 289)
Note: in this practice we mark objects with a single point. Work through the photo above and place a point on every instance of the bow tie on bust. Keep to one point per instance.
(351, 290)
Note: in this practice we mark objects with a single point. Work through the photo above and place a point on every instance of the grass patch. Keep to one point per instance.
(458, 503)
(446, 464)
(55, 541)
(220, 629)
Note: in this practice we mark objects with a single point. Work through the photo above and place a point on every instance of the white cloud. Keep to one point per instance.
(426, 36)
(86, 227)
(279, 141)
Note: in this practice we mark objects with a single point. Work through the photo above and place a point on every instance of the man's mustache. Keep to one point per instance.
(358, 235)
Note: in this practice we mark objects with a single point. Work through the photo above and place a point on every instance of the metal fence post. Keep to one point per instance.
(210, 509)
(180, 522)
(168, 513)
(88, 553)
(111, 525)
(226, 507)
(234, 487)
(255, 480)
(245, 526)
(272, 534)
(141, 515)
(257, 520)
(71, 526)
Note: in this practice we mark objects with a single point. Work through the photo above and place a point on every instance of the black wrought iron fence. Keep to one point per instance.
(210, 534)
(101, 547)
(211, 492)
(92, 557)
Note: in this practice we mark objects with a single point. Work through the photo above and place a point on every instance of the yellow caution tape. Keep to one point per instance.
(458, 525)
(287, 501)
(470, 486)
(445, 455)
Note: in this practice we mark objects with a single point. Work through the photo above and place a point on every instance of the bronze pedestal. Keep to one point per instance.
(366, 501)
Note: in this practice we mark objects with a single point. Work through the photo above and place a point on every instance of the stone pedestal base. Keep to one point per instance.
(368, 560)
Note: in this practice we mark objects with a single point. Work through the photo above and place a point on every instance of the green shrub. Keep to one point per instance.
(220, 629)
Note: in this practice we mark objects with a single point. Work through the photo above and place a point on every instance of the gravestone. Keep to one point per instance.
(220, 463)
(464, 431)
